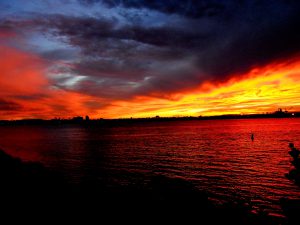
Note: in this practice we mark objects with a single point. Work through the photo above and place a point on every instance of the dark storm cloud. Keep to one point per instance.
(189, 8)
(91, 34)
(59, 54)
(170, 46)
(254, 40)
(236, 37)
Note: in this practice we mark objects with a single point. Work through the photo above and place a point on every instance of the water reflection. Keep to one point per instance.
(217, 156)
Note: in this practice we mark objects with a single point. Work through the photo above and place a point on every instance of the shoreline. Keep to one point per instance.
(125, 121)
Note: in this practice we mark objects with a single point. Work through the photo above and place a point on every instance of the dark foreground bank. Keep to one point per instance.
(31, 188)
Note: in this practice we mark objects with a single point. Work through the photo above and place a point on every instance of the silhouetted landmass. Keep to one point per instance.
(87, 121)
(291, 207)
(31, 188)
(294, 174)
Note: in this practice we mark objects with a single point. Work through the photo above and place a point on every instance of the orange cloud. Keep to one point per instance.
(261, 90)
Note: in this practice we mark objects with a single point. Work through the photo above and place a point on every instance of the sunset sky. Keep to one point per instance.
(141, 58)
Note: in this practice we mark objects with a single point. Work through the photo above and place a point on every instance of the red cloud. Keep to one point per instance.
(26, 91)
(21, 73)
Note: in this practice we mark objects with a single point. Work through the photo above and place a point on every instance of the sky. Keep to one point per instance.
(142, 58)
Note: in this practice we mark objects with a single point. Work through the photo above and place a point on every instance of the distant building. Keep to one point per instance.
(281, 113)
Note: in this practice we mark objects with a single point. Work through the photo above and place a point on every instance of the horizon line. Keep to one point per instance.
(86, 117)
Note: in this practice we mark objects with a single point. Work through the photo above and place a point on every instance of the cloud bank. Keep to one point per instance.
(120, 50)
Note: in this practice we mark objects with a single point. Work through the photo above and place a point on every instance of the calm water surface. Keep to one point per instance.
(217, 156)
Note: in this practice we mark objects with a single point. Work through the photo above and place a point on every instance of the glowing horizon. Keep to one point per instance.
(263, 89)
